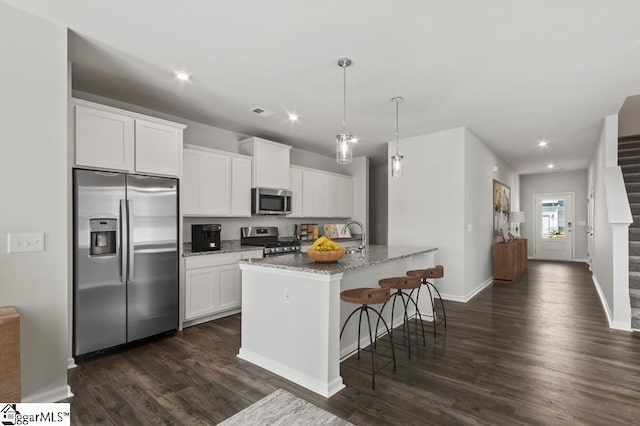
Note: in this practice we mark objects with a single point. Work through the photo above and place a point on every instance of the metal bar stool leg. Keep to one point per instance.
(360, 326)
(433, 309)
(393, 351)
(373, 350)
(418, 314)
(444, 313)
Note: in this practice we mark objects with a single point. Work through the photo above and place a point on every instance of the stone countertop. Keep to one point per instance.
(375, 254)
(228, 246)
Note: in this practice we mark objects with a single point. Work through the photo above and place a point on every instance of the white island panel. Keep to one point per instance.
(292, 312)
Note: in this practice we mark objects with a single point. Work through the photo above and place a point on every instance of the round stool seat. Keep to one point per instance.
(400, 283)
(435, 272)
(365, 296)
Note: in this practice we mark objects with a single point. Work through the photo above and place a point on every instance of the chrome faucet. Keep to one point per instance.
(363, 236)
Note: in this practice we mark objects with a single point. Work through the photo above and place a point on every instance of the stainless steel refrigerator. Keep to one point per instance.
(125, 258)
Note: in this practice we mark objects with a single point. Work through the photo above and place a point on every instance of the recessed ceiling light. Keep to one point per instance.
(354, 140)
(543, 143)
(183, 76)
(293, 117)
(550, 166)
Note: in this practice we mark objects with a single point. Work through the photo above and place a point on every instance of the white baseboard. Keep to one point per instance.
(478, 289)
(54, 395)
(467, 297)
(71, 363)
(603, 300)
(311, 383)
(189, 323)
(581, 260)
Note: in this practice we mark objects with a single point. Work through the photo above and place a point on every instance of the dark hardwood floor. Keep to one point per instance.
(537, 351)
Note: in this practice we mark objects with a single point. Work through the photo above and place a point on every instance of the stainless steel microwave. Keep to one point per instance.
(269, 201)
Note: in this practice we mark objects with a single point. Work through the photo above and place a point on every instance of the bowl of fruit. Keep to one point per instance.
(325, 250)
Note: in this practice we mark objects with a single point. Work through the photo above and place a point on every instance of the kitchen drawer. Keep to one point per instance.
(209, 260)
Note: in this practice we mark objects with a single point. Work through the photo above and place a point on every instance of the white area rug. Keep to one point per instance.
(283, 408)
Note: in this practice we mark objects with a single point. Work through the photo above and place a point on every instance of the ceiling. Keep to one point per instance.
(513, 72)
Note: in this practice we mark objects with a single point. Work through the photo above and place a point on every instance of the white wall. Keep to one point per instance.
(426, 204)
(628, 122)
(447, 186)
(33, 167)
(607, 242)
(576, 181)
(478, 209)
(378, 204)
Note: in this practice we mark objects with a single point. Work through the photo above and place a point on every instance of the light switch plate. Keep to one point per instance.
(19, 243)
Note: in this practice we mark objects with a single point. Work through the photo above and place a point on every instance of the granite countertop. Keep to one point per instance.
(375, 254)
(228, 246)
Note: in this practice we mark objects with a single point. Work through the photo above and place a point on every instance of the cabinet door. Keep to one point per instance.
(190, 184)
(315, 194)
(268, 170)
(345, 196)
(103, 139)
(158, 148)
(215, 175)
(334, 206)
(229, 293)
(199, 292)
(295, 179)
(240, 187)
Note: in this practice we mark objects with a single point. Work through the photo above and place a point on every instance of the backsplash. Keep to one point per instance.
(231, 225)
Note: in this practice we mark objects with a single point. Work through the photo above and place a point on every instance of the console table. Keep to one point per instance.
(509, 259)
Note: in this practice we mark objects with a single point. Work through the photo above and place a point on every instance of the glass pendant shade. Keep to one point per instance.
(396, 160)
(396, 165)
(344, 149)
(344, 141)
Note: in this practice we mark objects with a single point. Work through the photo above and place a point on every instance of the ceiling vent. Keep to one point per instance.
(262, 112)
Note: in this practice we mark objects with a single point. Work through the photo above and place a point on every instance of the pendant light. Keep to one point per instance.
(344, 141)
(396, 160)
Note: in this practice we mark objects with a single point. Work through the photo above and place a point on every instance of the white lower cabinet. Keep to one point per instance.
(213, 285)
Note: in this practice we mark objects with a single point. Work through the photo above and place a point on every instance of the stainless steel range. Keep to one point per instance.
(267, 237)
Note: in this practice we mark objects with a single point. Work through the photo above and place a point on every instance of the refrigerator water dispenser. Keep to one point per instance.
(103, 236)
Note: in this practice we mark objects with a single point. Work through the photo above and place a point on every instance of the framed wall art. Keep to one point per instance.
(501, 210)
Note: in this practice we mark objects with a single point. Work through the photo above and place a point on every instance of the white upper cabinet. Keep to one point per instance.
(345, 196)
(323, 194)
(113, 139)
(215, 183)
(295, 180)
(104, 139)
(158, 148)
(315, 194)
(270, 163)
(240, 186)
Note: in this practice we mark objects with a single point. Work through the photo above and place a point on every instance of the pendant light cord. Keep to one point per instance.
(344, 98)
(397, 140)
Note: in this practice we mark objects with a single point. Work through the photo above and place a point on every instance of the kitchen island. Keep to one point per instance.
(292, 312)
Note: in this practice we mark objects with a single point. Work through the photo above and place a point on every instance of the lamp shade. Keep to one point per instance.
(517, 217)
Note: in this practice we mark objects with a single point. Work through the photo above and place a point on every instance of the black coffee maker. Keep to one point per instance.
(205, 237)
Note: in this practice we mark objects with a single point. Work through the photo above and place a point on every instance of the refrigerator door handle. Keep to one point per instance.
(124, 241)
(130, 236)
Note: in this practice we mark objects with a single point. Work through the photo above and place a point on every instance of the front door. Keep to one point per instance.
(553, 226)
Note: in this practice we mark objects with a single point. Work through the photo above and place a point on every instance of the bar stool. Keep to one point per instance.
(366, 297)
(399, 284)
(430, 274)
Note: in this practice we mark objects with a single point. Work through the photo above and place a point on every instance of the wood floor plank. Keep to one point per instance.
(534, 352)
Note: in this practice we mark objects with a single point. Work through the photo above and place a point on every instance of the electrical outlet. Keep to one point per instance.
(17, 243)
(469, 228)
(287, 296)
